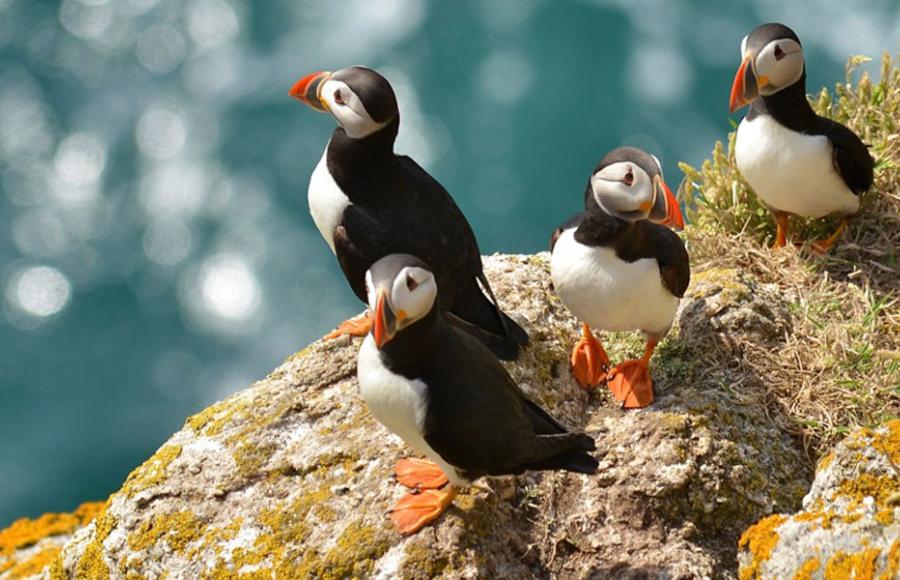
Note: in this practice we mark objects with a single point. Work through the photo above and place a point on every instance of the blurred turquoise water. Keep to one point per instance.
(156, 252)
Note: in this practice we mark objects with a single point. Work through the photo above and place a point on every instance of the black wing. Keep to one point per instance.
(482, 423)
(572, 222)
(851, 157)
(646, 239)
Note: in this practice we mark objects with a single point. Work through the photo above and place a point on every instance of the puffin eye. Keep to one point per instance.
(338, 97)
(629, 178)
(779, 54)
(411, 283)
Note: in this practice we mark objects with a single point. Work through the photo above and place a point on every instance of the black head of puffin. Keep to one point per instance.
(361, 100)
(771, 60)
(401, 291)
(628, 184)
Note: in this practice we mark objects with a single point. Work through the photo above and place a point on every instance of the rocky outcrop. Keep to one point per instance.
(291, 478)
(850, 523)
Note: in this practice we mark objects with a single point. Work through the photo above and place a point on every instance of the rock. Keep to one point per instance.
(850, 523)
(291, 478)
(29, 546)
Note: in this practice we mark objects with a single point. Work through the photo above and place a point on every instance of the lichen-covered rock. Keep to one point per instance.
(291, 478)
(850, 523)
(28, 546)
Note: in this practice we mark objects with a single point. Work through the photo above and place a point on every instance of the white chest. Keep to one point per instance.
(609, 293)
(326, 200)
(791, 171)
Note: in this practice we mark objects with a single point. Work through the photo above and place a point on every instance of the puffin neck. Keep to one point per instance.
(788, 106)
(410, 349)
(598, 228)
(365, 153)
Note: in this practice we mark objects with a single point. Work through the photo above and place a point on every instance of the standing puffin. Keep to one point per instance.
(449, 398)
(796, 161)
(368, 202)
(615, 269)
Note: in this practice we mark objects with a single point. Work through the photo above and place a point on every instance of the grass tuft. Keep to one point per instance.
(839, 365)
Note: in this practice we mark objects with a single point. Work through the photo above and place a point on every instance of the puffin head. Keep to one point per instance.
(628, 184)
(401, 291)
(360, 100)
(772, 59)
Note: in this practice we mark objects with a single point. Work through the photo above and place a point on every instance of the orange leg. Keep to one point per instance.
(589, 360)
(781, 225)
(419, 474)
(415, 510)
(822, 246)
(358, 326)
(630, 381)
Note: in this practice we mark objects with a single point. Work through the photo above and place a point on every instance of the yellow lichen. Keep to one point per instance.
(889, 444)
(152, 472)
(806, 571)
(213, 419)
(759, 539)
(878, 487)
(36, 563)
(825, 461)
(843, 566)
(92, 564)
(178, 530)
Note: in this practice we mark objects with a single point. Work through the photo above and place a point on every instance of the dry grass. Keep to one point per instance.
(840, 365)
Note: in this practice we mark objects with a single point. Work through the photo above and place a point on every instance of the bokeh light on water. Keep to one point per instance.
(156, 252)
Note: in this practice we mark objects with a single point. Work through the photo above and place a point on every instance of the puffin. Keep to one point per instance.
(449, 398)
(618, 266)
(368, 202)
(794, 160)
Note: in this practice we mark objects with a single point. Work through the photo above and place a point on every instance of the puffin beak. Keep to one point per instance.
(665, 208)
(385, 322)
(745, 87)
(306, 90)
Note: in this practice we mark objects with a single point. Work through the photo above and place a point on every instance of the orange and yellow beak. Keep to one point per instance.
(385, 324)
(666, 210)
(308, 90)
(745, 87)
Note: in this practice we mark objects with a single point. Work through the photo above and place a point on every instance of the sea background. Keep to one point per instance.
(156, 250)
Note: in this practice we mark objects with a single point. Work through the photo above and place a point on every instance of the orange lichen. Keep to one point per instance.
(806, 571)
(892, 564)
(842, 566)
(889, 443)
(36, 563)
(759, 539)
(26, 532)
(824, 517)
(825, 461)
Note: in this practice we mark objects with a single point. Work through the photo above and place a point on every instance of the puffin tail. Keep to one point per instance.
(478, 312)
(575, 457)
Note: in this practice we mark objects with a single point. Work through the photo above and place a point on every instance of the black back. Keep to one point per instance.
(397, 207)
(478, 419)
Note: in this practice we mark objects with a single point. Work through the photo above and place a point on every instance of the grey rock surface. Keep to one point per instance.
(291, 477)
(850, 523)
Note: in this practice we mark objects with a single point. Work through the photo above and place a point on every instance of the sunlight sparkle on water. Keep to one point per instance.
(39, 291)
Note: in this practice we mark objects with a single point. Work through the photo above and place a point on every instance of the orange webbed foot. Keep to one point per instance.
(358, 326)
(589, 360)
(415, 510)
(824, 246)
(631, 384)
(419, 474)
